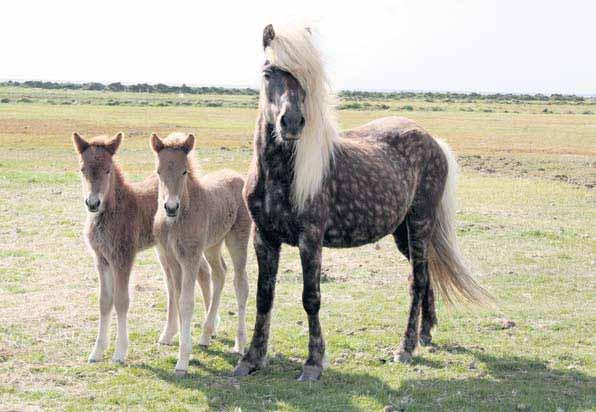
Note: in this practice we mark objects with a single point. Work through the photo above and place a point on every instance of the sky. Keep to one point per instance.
(520, 46)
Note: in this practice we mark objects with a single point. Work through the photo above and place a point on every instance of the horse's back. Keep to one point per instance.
(224, 180)
(225, 188)
(386, 129)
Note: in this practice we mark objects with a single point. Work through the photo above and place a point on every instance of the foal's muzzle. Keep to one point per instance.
(171, 210)
(92, 204)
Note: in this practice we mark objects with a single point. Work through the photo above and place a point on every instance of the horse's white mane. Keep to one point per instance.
(294, 50)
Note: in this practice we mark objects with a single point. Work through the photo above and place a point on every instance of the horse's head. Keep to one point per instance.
(97, 168)
(173, 166)
(282, 97)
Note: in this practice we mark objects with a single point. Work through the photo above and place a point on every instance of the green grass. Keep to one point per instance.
(527, 233)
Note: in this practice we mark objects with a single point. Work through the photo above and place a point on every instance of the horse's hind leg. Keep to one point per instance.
(204, 280)
(419, 228)
(429, 316)
(218, 278)
(237, 244)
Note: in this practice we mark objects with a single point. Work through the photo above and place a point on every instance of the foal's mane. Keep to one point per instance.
(176, 141)
(293, 49)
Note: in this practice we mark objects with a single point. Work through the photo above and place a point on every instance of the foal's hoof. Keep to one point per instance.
(426, 340)
(310, 373)
(181, 373)
(166, 340)
(402, 356)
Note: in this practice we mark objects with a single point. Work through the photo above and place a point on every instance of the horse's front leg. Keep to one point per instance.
(310, 245)
(186, 305)
(106, 303)
(121, 303)
(169, 268)
(268, 259)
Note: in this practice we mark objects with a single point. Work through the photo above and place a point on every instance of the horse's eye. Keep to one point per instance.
(185, 173)
(266, 75)
(157, 171)
(108, 172)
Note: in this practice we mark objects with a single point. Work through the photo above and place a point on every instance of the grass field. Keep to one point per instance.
(527, 207)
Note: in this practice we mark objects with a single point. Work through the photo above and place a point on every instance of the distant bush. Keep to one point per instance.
(408, 108)
(24, 100)
(5, 100)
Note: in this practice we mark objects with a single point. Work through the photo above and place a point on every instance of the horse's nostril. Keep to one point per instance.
(92, 204)
(284, 121)
(302, 121)
(171, 209)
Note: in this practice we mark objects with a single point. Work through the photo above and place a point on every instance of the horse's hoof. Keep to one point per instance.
(403, 357)
(239, 349)
(426, 340)
(245, 368)
(181, 373)
(166, 340)
(118, 360)
(310, 373)
(205, 340)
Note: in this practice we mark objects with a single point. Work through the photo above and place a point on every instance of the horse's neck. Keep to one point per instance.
(193, 191)
(274, 156)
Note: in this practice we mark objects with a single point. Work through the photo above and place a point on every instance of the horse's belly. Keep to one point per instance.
(358, 220)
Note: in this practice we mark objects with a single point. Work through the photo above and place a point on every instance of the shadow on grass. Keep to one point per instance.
(503, 383)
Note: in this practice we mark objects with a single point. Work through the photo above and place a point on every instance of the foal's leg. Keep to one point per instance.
(204, 280)
(237, 244)
(218, 278)
(121, 303)
(267, 252)
(169, 267)
(429, 316)
(419, 231)
(105, 308)
(186, 304)
(310, 245)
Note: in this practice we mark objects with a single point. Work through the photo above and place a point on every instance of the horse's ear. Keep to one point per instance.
(189, 143)
(113, 145)
(156, 143)
(80, 144)
(268, 35)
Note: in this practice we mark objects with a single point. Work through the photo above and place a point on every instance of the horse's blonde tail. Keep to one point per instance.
(448, 272)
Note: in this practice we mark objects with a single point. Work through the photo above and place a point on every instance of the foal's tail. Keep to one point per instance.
(448, 273)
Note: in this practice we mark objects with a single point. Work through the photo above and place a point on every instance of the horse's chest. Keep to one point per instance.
(271, 211)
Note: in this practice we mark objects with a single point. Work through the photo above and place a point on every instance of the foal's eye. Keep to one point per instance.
(185, 173)
(108, 172)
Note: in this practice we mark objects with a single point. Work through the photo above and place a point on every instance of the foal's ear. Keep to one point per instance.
(156, 143)
(112, 145)
(268, 35)
(189, 143)
(79, 143)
